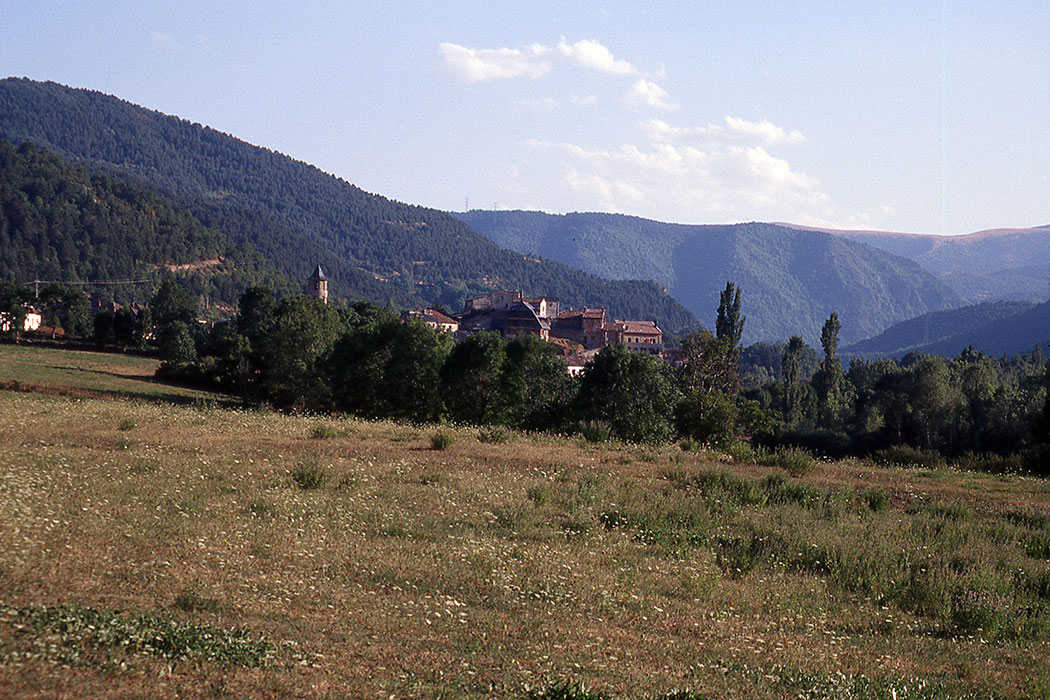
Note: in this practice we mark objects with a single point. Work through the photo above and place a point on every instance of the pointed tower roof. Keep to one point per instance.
(318, 274)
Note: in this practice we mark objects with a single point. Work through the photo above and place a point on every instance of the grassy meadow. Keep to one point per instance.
(89, 374)
(156, 544)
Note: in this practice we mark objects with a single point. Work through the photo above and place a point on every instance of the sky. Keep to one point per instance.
(918, 116)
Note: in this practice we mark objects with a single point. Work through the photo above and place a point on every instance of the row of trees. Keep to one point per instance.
(362, 359)
(971, 403)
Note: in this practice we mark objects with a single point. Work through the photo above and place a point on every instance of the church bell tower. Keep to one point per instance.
(317, 285)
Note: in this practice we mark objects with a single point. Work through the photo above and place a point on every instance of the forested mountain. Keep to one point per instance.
(297, 216)
(987, 265)
(58, 222)
(948, 332)
(1012, 335)
(792, 279)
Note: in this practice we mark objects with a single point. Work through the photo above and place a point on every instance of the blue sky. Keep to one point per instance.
(908, 116)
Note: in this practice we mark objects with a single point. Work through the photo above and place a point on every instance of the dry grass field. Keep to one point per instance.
(151, 549)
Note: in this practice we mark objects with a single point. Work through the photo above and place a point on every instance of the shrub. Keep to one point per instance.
(322, 432)
(74, 632)
(904, 456)
(431, 476)
(973, 610)
(568, 691)
(127, 424)
(689, 445)
(539, 495)
(1038, 546)
(576, 526)
(496, 435)
(743, 452)
(956, 512)
(1032, 519)
(595, 431)
(876, 499)
(826, 443)
(737, 556)
(926, 589)
(261, 508)
(794, 460)
(442, 440)
(309, 475)
(190, 600)
(348, 482)
(992, 463)
(143, 468)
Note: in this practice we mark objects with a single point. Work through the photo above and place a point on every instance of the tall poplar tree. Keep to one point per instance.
(791, 365)
(730, 324)
(828, 379)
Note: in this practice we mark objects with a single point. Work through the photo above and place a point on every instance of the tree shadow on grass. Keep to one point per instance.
(153, 397)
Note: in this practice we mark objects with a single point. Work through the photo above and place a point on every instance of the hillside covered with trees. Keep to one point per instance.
(997, 328)
(59, 222)
(793, 278)
(297, 216)
(982, 266)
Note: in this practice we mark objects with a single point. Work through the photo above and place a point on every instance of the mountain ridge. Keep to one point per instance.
(943, 332)
(298, 216)
(972, 264)
(792, 279)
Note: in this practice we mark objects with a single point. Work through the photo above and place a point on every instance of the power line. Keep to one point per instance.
(37, 283)
(81, 284)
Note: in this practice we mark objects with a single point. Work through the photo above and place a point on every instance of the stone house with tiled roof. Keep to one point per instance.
(636, 336)
(583, 326)
(433, 318)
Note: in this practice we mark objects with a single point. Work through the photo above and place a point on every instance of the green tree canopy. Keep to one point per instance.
(729, 325)
(537, 389)
(472, 379)
(304, 331)
(389, 369)
(631, 392)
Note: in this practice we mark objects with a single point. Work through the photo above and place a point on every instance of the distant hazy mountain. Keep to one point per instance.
(987, 265)
(792, 279)
(296, 216)
(949, 332)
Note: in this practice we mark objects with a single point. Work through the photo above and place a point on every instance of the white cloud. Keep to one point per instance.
(165, 41)
(690, 183)
(645, 92)
(583, 100)
(591, 54)
(540, 103)
(764, 131)
(475, 65)
(735, 131)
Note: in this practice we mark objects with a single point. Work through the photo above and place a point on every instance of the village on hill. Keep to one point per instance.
(578, 334)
